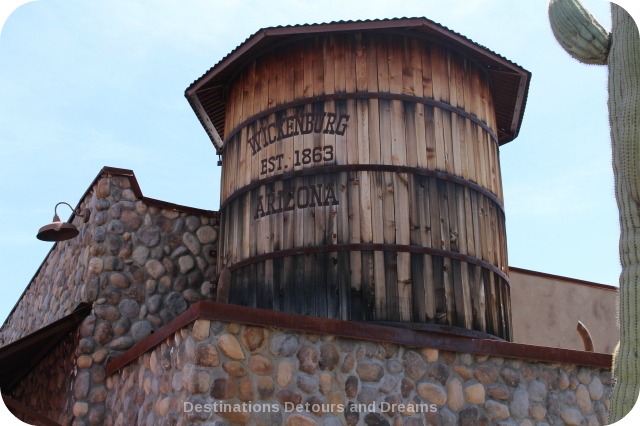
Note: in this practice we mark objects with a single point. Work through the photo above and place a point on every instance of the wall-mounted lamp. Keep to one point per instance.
(60, 231)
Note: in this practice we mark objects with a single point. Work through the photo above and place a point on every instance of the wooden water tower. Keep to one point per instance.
(361, 173)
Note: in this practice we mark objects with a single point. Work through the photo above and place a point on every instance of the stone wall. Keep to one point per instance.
(48, 388)
(140, 262)
(310, 379)
(55, 289)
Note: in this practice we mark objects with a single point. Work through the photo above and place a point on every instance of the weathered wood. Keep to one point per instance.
(343, 140)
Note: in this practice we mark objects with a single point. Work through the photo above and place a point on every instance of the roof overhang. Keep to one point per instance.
(509, 81)
(20, 357)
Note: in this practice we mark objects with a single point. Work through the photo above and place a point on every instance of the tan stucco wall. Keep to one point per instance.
(546, 309)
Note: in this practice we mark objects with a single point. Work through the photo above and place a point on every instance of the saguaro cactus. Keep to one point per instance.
(582, 37)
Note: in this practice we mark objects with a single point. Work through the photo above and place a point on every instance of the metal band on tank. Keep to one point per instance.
(401, 248)
(365, 95)
(365, 167)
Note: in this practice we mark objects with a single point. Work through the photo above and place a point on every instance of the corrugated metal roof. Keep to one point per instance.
(510, 82)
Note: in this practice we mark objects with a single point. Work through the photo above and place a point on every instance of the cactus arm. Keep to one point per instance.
(580, 35)
(578, 32)
(624, 117)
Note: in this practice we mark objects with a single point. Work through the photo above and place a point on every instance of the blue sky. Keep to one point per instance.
(87, 84)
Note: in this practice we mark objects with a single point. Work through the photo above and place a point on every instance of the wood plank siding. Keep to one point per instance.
(361, 180)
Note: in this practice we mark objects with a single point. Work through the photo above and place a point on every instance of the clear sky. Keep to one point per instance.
(86, 84)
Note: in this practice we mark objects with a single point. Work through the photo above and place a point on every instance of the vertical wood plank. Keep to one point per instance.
(360, 51)
(369, 41)
(329, 64)
(383, 64)
(401, 201)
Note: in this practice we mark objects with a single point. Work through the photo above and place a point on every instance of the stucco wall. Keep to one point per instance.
(296, 378)
(546, 310)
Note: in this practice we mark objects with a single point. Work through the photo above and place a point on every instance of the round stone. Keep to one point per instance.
(414, 365)
(192, 223)
(99, 234)
(154, 303)
(155, 268)
(261, 365)
(438, 372)
(308, 359)
(368, 395)
(107, 312)
(229, 346)
(80, 409)
(572, 417)
(121, 326)
(84, 361)
(197, 380)
(286, 370)
(100, 355)
(88, 326)
(86, 345)
(510, 376)
(498, 391)
(175, 303)
(406, 387)
(537, 412)
(475, 393)
(584, 376)
(284, 345)
(496, 410)
(103, 333)
(455, 396)
(207, 234)
(486, 373)
(115, 227)
(163, 405)
(393, 366)
(140, 330)
(122, 343)
(186, 263)
(245, 390)
(192, 243)
(234, 368)
(81, 384)
(254, 338)
(206, 355)
(519, 407)
(596, 390)
(96, 264)
(100, 217)
(369, 372)
(129, 308)
(387, 384)
(583, 399)
(149, 236)
(351, 386)
(329, 356)
(433, 393)
(537, 391)
(430, 354)
(96, 414)
(191, 295)
(131, 219)
(201, 329)
(468, 416)
(118, 280)
(140, 255)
